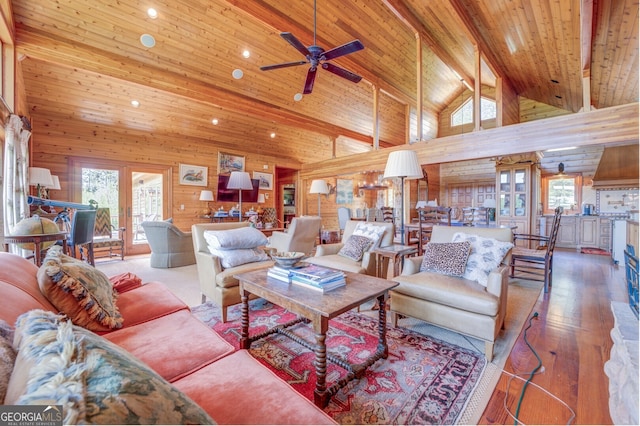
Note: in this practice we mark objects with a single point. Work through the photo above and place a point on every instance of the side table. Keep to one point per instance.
(36, 240)
(394, 253)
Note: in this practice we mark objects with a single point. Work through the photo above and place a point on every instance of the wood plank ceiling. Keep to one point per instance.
(82, 62)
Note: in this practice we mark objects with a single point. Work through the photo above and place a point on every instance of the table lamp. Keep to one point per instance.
(206, 195)
(319, 186)
(239, 181)
(41, 179)
(403, 164)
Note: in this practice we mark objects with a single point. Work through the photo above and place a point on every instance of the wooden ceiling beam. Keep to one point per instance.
(476, 37)
(586, 40)
(279, 22)
(409, 18)
(39, 45)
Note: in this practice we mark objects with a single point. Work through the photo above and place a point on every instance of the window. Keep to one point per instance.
(561, 190)
(464, 113)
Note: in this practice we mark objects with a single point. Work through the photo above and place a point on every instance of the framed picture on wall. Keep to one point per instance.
(266, 180)
(228, 163)
(193, 175)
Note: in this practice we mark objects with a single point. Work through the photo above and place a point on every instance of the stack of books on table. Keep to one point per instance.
(310, 276)
(317, 278)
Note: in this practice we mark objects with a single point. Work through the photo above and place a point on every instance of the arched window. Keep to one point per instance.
(464, 113)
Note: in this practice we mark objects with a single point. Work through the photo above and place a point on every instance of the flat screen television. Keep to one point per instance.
(231, 195)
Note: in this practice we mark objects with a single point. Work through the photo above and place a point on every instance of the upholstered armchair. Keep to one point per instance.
(170, 247)
(300, 236)
(216, 282)
(327, 254)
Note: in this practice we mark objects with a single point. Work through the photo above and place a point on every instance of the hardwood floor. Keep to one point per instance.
(571, 336)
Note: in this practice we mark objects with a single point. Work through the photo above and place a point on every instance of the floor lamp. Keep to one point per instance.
(239, 181)
(403, 164)
(319, 186)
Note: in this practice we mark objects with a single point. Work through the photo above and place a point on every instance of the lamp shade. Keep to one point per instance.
(206, 195)
(261, 199)
(403, 163)
(40, 176)
(239, 180)
(421, 204)
(489, 203)
(319, 186)
(56, 183)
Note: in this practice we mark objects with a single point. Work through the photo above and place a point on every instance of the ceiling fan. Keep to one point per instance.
(317, 56)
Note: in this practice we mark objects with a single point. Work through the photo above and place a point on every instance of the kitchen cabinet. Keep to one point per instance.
(580, 231)
(567, 234)
(516, 192)
(605, 233)
(589, 232)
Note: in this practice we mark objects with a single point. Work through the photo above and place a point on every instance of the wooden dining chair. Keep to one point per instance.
(536, 263)
(428, 217)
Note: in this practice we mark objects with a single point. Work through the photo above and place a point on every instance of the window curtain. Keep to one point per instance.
(16, 162)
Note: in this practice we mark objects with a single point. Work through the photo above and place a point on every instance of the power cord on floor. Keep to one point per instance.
(538, 369)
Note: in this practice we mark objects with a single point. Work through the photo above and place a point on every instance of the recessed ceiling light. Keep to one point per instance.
(237, 74)
(135, 103)
(147, 40)
(297, 97)
(273, 135)
(214, 121)
(246, 53)
(152, 13)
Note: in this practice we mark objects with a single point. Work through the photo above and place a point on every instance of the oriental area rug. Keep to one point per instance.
(424, 380)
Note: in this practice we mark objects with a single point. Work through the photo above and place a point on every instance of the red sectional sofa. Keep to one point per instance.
(159, 329)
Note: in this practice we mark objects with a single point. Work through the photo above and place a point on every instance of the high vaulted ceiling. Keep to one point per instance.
(83, 62)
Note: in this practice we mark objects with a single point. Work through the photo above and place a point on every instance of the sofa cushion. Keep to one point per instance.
(238, 238)
(446, 258)
(236, 257)
(486, 254)
(94, 380)
(457, 292)
(173, 345)
(7, 357)
(79, 290)
(125, 282)
(270, 399)
(355, 247)
(374, 232)
(336, 261)
(148, 302)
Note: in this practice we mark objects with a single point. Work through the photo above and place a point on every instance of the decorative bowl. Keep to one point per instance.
(287, 259)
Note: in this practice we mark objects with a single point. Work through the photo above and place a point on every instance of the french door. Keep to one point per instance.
(132, 192)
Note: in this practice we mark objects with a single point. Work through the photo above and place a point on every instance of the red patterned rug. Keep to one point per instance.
(423, 380)
(594, 250)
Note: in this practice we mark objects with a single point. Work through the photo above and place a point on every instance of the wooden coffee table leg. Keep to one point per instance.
(383, 349)
(320, 395)
(245, 343)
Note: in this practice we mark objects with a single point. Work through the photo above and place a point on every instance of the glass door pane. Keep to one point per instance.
(103, 187)
(146, 203)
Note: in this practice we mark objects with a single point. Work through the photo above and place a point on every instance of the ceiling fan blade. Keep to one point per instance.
(283, 65)
(311, 78)
(345, 49)
(295, 43)
(341, 72)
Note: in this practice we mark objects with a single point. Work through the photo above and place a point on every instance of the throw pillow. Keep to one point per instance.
(373, 232)
(236, 257)
(95, 381)
(355, 247)
(125, 282)
(79, 290)
(486, 254)
(238, 238)
(446, 258)
(7, 357)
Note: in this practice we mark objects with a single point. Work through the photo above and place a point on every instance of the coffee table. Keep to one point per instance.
(318, 308)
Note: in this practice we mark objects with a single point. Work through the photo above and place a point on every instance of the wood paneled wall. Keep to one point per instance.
(54, 143)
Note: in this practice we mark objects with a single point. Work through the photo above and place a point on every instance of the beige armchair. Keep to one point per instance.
(216, 282)
(170, 247)
(300, 236)
(453, 302)
(327, 254)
